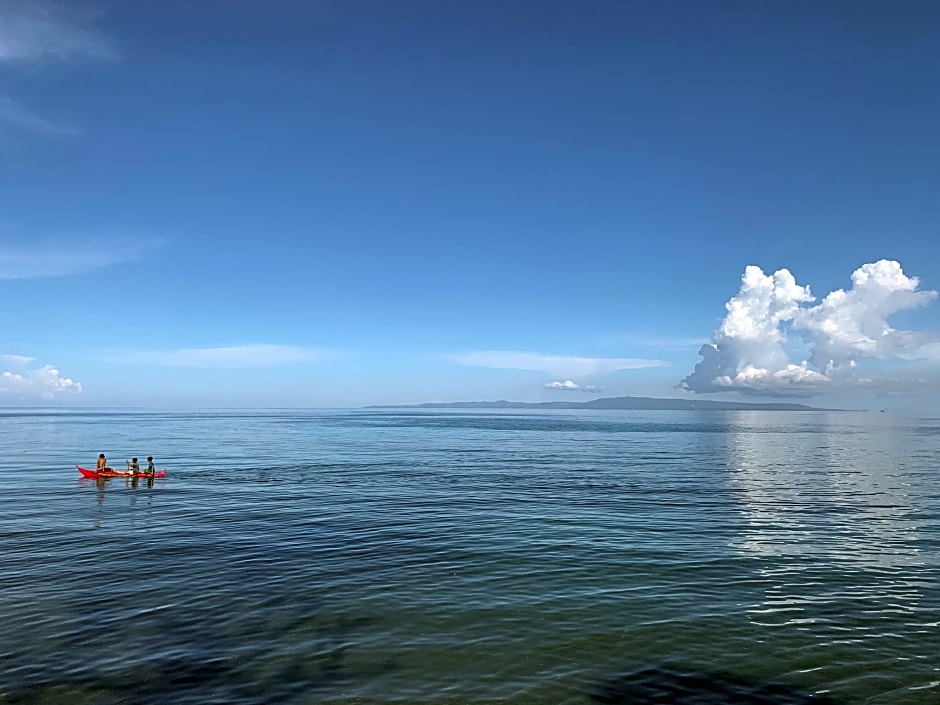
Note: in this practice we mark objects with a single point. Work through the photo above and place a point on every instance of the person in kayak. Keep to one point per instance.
(151, 468)
(133, 467)
(102, 463)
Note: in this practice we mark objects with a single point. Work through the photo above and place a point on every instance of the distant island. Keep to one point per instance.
(628, 403)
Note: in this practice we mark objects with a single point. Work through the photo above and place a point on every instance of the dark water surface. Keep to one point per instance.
(471, 557)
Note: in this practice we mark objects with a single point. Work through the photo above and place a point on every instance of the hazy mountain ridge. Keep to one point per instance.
(627, 403)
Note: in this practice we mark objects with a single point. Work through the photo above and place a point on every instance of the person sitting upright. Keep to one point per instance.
(133, 467)
(102, 463)
(151, 468)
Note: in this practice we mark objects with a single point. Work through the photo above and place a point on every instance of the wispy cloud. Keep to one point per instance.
(32, 30)
(634, 339)
(232, 357)
(14, 114)
(555, 365)
(673, 343)
(65, 258)
(16, 361)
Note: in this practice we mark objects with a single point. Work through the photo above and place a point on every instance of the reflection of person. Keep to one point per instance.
(133, 466)
(151, 468)
(102, 463)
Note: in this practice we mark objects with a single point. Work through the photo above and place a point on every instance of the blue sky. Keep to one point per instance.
(234, 203)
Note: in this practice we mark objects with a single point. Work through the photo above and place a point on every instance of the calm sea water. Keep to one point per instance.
(464, 557)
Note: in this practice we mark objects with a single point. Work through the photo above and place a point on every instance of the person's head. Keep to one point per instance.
(149, 458)
(100, 455)
(133, 460)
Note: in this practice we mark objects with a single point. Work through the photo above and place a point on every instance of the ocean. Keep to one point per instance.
(464, 556)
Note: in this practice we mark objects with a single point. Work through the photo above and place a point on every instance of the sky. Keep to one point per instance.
(232, 203)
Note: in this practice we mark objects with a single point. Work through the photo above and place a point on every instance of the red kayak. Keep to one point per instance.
(110, 472)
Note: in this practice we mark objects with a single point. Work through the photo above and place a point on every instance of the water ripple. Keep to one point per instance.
(300, 557)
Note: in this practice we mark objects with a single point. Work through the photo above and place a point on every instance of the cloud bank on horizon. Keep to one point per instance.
(748, 352)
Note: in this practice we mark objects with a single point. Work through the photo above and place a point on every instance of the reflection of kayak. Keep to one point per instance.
(109, 472)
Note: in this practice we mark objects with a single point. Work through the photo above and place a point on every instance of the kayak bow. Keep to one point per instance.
(108, 472)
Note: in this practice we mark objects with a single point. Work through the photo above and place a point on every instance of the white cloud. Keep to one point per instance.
(853, 324)
(571, 386)
(567, 386)
(65, 258)
(791, 377)
(45, 383)
(31, 30)
(748, 352)
(555, 365)
(232, 357)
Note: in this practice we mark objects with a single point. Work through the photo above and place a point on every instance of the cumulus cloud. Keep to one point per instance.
(567, 386)
(231, 357)
(64, 258)
(848, 325)
(555, 365)
(572, 386)
(31, 30)
(748, 352)
(45, 383)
